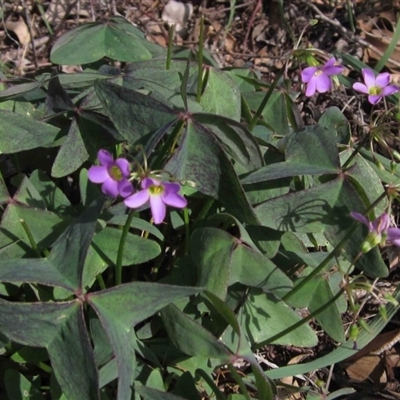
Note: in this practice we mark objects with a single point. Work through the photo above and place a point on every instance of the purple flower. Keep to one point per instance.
(112, 174)
(319, 78)
(376, 87)
(379, 230)
(160, 194)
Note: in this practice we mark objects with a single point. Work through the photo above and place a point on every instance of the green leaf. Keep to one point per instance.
(284, 170)
(237, 141)
(44, 226)
(69, 253)
(19, 388)
(211, 250)
(367, 183)
(251, 268)
(140, 250)
(263, 316)
(329, 319)
(308, 211)
(117, 39)
(274, 114)
(4, 196)
(333, 119)
(60, 328)
(201, 159)
(72, 153)
(19, 133)
(54, 198)
(313, 145)
(134, 114)
(153, 394)
(64, 265)
(190, 337)
(120, 309)
(221, 95)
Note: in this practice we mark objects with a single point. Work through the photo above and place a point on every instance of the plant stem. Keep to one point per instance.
(187, 230)
(200, 61)
(264, 102)
(170, 44)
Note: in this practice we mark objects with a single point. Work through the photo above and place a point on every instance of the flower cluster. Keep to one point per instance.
(319, 79)
(379, 231)
(114, 177)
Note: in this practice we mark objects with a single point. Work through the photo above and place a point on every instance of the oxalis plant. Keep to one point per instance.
(164, 218)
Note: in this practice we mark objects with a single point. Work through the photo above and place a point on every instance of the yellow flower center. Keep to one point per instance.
(156, 190)
(115, 173)
(374, 90)
(317, 72)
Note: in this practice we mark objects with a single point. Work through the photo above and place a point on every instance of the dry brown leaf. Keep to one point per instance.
(57, 11)
(375, 31)
(374, 362)
(20, 29)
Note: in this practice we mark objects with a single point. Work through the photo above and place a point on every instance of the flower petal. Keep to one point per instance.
(158, 209)
(394, 236)
(375, 98)
(388, 90)
(382, 79)
(360, 218)
(125, 188)
(174, 200)
(330, 63)
(172, 187)
(360, 87)
(369, 77)
(311, 87)
(110, 188)
(98, 174)
(324, 83)
(137, 199)
(105, 158)
(124, 166)
(147, 182)
(308, 73)
(381, 223)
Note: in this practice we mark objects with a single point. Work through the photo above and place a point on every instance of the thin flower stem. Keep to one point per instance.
(239, 381)
(101, 282)
(206, 208)
(264, 102)
(200, 61)
(120, 254)
(187, 230)
(169, 48)
(309, 317)
(167, 148)
(355, 152)
(30, 237)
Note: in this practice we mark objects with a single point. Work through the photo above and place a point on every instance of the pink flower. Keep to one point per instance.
(160, 195)
(318, 79)
(112, 174)
(379, 230)
(376, 87)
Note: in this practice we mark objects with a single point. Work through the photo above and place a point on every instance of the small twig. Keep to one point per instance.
(4, 25)
(29, 24)
(251, 22)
